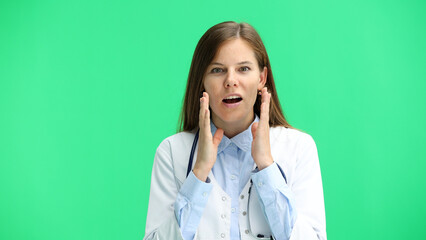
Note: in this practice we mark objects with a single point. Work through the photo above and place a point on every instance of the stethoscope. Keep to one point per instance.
(191, 158)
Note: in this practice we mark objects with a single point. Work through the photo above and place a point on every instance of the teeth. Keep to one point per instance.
(232, 97)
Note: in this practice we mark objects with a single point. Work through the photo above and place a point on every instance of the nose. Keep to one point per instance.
(231, 80)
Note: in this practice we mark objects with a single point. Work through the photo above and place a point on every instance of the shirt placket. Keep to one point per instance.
(233, 165)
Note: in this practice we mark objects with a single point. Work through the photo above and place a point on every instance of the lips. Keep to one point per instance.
(233, 98)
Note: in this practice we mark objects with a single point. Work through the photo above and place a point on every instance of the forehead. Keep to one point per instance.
(234, 51)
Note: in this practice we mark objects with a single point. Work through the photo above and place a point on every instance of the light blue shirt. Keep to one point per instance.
(232, 170)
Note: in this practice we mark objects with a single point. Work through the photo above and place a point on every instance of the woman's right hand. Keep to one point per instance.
(207, 144)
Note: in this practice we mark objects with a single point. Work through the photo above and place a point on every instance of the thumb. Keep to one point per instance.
(254, 128)
(218, 135)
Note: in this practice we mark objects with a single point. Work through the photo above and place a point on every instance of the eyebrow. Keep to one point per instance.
(240, 63)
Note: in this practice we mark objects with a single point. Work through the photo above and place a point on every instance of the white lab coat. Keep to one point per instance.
(293, 150)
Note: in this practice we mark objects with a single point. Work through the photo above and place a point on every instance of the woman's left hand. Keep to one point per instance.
(260, 147)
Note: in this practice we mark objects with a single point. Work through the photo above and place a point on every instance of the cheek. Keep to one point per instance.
(253, 99)
(212, 90)
(207, 84)
(253, 92)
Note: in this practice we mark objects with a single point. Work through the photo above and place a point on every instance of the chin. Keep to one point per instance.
(233, 117)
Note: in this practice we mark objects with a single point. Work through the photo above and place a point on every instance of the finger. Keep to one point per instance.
(253, 129)
(204, 117)
(207, 98)
(217, 137)
(264, 108)
(202, 112)
(206, 120)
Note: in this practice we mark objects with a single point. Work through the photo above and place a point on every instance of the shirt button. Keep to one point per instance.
(247, 231)
(204, 194)
(233, 210)
(242, 196)
(244, 213)
(260, 184)
(222, 235)
(223, 216)
(233, 177)
(223, 198)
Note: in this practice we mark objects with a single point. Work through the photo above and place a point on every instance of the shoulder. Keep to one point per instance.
(293, 148)
(178, 139)
(290, 136)
(177, 144)
(174, 152)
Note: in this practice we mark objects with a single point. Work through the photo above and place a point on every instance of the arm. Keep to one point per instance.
(307, 194)
(190, 203)
(276, 200)
(296, 212)
(274, 195)
(169, 208)
(173, 213)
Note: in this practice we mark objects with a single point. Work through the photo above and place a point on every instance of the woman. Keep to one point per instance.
(237, 169)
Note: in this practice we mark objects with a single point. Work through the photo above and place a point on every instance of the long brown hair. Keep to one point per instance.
(205, 52)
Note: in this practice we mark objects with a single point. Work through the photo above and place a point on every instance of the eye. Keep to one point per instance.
(244, 69)
(216, 70)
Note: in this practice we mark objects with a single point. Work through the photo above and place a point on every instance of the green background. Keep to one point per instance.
(88, 90)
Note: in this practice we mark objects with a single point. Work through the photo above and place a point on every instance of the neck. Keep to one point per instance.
(231, 129)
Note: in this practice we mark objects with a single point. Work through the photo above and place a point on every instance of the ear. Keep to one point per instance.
(262, 78)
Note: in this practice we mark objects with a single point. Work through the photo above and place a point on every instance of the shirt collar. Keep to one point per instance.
(243, 140)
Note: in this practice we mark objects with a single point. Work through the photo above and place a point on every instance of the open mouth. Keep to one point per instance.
(232, 99)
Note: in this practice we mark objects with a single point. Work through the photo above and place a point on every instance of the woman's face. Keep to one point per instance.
(232, 81)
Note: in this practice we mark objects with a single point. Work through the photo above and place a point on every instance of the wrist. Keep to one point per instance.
(265, 163)
(200, 173)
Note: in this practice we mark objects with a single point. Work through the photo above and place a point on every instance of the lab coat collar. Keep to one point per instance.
(242, 140)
